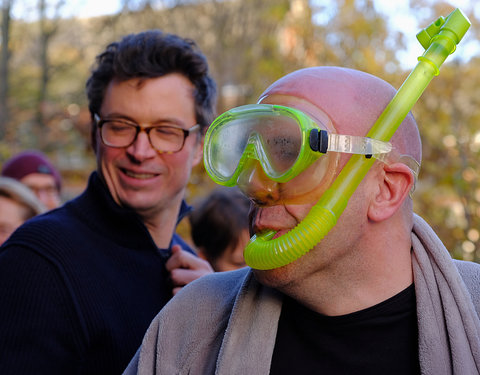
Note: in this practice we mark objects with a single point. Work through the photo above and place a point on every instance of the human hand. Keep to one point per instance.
(185, 267)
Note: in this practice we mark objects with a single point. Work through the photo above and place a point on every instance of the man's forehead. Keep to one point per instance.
(314, 84)
(316, 113)
(352, 99)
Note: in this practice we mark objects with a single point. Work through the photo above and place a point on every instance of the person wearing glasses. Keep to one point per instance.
(80, 285)
(377, 294)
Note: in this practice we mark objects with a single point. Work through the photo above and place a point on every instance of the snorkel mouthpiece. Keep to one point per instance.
(439, 40)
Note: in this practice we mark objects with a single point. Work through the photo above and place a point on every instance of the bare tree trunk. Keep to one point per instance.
(48, 28)
(44, 65)
(4, 58)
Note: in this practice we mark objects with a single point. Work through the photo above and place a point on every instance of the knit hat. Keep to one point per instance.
(21, 194)
(28, 162)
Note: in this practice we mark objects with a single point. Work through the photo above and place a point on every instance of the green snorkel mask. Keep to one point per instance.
(245, 136)
(295, 153)
(284, 140)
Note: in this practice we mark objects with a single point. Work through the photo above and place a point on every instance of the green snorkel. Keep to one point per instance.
(439, 40)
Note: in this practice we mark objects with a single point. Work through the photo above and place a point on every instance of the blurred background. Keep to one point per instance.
(48, 46)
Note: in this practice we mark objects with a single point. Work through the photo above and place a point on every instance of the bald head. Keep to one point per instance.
(352, 99)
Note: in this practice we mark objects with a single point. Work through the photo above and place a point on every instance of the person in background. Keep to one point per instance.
(17, 205)
(79, 285)
(219, 228)
(35, 170)
(378, 294)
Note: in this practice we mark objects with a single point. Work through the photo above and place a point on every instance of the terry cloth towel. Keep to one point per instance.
(449, 327)
(226, 323)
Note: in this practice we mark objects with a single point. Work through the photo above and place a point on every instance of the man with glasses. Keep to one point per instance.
(377, 294)
(80, 285)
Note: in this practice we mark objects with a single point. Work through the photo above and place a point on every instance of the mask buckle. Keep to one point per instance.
(318, 140)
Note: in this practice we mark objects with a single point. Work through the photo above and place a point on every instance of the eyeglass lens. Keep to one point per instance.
(162, 138)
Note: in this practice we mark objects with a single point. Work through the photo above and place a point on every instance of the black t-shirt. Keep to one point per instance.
(382, 339)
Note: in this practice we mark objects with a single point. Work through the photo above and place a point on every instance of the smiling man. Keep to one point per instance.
(80, 285)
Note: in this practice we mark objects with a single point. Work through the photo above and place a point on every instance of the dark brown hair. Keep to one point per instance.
(217, 222)
(152, 54)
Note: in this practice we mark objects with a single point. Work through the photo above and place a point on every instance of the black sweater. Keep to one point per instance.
(79, 286)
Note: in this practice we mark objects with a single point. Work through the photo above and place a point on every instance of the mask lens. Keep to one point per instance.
(227, 146)
(275, 141)
(264, 149)
(281, 139)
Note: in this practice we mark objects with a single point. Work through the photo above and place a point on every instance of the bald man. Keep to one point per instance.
(379, 294)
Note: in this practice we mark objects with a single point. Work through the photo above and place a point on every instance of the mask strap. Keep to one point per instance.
(322, 141)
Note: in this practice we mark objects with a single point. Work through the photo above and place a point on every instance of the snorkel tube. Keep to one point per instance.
(439, 40)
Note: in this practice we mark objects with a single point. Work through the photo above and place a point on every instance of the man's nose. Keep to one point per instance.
(255, 183)
(141, 148)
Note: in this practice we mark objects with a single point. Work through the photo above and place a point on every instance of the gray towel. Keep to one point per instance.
(449, 327)
(226, 323)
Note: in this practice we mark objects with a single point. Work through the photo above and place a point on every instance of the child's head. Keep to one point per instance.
(220, 228)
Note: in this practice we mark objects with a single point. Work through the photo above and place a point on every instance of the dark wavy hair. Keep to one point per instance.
(152, 54)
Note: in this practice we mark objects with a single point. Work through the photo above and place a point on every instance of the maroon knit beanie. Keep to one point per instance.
(28, 162)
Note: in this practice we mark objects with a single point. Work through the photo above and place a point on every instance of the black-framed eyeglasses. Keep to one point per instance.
(120, 133)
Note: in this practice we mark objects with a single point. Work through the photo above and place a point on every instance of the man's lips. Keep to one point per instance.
(139, 175)
(278, 232)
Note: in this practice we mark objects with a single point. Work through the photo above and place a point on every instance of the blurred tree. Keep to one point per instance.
(4, 68)
(449, 187)
(448, 192)
(356, 35)
(49, 16)
(225, 31)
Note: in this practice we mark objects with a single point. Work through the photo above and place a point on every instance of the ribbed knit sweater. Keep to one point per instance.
(78, 288)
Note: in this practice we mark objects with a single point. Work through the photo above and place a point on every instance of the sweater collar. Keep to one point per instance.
(121, 224)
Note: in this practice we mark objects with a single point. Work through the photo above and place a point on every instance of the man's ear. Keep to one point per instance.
(198, 157)
(393, 189)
